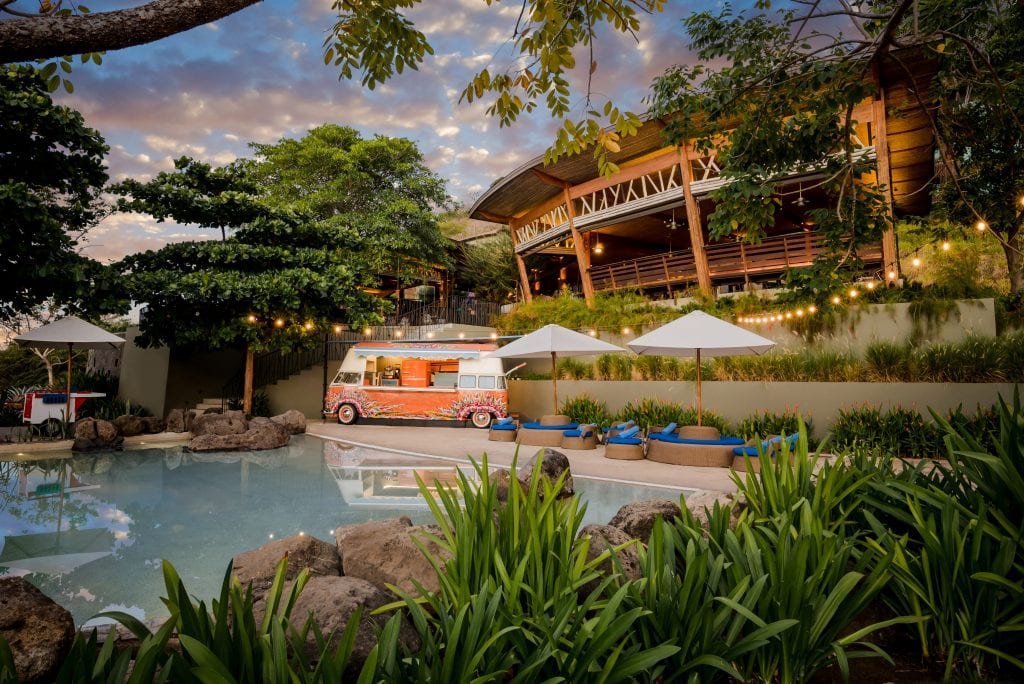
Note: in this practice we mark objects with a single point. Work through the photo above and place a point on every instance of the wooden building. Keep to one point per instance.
(645, 227)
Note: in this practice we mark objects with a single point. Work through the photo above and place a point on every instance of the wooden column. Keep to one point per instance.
(890, 258)
(524, 279)
(247, 388)
(700, 257)
(582, 253)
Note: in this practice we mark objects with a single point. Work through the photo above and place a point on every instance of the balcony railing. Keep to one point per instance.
(726, 260)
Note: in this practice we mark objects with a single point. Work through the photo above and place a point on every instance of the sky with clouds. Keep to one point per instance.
(259, 75)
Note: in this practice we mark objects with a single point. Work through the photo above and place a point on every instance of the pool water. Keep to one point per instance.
(99, 546)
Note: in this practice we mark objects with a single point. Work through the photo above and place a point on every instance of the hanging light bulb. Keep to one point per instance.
(598, 247)
(812, 309)
(853, 294)
(251, 318)
(870, 285)
(981, 226)
(800, 196)
(892, 275)
(337, 329)
(279, 323)
(592, 333)
(946, 246)
(671, 224)
(915, 262)
(835, 300)
(799, 313)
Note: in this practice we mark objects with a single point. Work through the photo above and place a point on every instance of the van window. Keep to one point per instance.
(486, 382)
(501, 382)
(467, 382)
(349, 378)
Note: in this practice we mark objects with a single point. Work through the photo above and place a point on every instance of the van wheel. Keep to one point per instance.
(347, 414)
(482, 420)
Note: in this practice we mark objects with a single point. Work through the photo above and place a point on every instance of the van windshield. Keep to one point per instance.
(486, 382)
(348, 378)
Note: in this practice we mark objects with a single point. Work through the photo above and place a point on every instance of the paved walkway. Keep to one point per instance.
(461, 443)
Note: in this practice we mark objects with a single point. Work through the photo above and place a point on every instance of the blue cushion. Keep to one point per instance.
(766, 445)
(583, 431)
(669, 429)
(538, 426)
(629, 432)
(625, 440)
(620, 426)
(750, 451)
(503, 426)
(724, 441)
(505, 421)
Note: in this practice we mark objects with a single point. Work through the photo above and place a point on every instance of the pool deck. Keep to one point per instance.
(461, 443)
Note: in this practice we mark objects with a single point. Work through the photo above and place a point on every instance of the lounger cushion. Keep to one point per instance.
(538, 426)
(668, 429)
(629, 432)
(724, 441)
(625, 440)
(505, 421)
(503, 426)
(620, 426)
(583, 431)
(766, 445)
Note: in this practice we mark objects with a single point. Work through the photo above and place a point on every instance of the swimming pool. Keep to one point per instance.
(91, 530)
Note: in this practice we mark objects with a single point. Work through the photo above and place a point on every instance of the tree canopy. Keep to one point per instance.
(278, 277)
(51, 178)
(376, 192)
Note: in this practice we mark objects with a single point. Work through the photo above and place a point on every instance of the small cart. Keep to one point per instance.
(46, 409)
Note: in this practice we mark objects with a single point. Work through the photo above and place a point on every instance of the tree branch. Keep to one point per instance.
(45, 37)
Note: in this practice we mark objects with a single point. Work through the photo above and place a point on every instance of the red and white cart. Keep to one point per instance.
(47, 409)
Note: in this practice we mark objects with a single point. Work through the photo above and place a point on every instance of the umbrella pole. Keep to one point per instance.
(554, 383)
(699, 411)
(67, 408)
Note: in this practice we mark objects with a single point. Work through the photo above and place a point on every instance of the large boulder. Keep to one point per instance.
(626, 561)
(383, 552)
(637, 518)
(227, 423)
(180, 421)
(38, 631)
(258, 566)
(152, 425)
(261, 434)
(501, 479)
(332, 601)
(553, 464)
(293, 421)
(92, 434)
(129, 426)
(703, 500)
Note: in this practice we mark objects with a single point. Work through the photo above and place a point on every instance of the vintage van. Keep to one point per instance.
(419, 380)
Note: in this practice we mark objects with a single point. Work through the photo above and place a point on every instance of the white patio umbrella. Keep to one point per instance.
(554, 341)
(697, 334)
(73, 332)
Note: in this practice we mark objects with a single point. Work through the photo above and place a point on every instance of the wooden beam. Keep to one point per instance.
(524, 280)
(890, 258)
(700, 257)
(582, 254)
(548, 178)
(536, 212)
(662, 161)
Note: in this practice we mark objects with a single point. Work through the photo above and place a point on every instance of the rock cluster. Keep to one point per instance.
(92, 434)
(230, 431)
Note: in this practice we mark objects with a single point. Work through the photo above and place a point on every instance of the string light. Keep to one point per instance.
(870, 285)
(279, 323)
(430, 335)
(799, 313)
(915, 262)
(853, 293)
(308, 326)
(892, 275)
(981, 226)
(398, 333)
(812, 309)
(494, 336)
(946, 245)
(835, 300)
(337, 329)
(462, 335)
(625, 331)
(367, 332)
(592, 333)
(251, 318)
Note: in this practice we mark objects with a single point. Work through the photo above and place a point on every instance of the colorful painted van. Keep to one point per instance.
(419, 380)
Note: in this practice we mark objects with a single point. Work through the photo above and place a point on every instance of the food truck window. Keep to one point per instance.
(349, 378)
(486, 382)
(467, 382)
(501, 382)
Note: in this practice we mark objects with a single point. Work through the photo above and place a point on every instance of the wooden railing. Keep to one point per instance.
(726, 260)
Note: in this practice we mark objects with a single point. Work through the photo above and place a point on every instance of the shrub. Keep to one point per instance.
(648, 413)
(603, 367)
(896, 432)
(574, 369)
(109, 408)
(583, 409)
(760, 425)
(889, 362)
(621, 367)
(650, 367)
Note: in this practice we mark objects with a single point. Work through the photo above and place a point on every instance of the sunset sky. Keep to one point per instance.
(259, 75)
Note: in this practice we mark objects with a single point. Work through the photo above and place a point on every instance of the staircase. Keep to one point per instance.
(208, 403)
